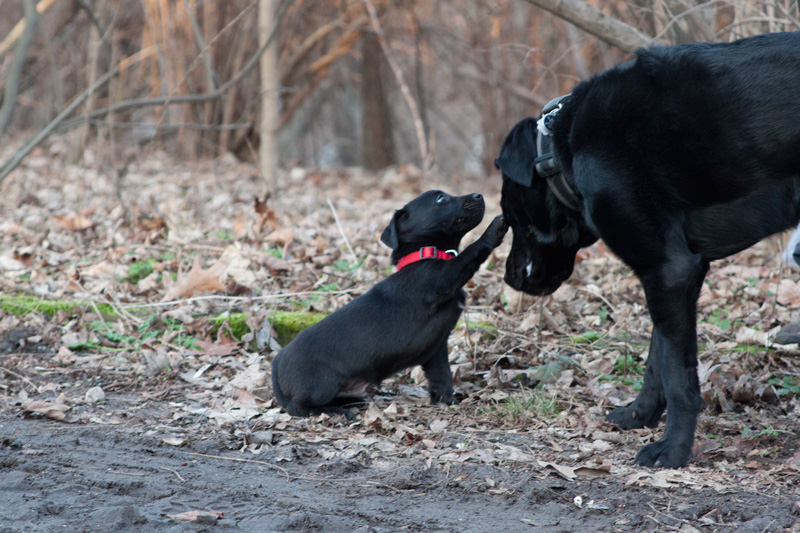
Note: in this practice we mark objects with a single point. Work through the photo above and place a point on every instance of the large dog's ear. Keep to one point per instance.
(389, 235)
(517, 157)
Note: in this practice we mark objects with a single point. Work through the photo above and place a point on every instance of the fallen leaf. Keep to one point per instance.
(198, 280)
(438, 426)
(202, 517)
(217, 348)
(280, 236)
(564, 471)
(73, 222)
(752, 336)
(54, 410)
(788, 293)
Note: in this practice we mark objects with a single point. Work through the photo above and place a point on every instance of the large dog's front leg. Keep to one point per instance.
(673, 307)
(649, 405)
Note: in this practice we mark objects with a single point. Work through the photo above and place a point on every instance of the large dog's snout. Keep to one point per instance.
(537, 271)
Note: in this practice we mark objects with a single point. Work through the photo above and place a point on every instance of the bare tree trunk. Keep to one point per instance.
(270, 97)
(21, 52)
(594, 21)
(377, 143)
(94, 57)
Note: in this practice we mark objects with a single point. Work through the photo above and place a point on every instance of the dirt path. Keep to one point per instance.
(55, 476)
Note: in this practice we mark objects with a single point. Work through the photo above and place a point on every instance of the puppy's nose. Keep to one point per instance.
(477, 196)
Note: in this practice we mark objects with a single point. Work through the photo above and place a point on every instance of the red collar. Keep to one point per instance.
(428, 252)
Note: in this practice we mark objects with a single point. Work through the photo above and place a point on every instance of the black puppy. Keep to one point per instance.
(402, 321)
(684, 155)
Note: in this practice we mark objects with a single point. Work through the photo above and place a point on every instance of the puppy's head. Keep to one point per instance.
(432, 219)
(547, 235)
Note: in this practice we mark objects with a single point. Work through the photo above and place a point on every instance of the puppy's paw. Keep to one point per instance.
(496, 231)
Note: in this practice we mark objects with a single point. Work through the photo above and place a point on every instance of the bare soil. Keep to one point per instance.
(92, 477)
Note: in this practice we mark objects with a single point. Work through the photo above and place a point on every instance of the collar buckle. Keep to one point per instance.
(428, 252)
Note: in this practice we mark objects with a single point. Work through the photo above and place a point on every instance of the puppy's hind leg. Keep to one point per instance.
(440, 379)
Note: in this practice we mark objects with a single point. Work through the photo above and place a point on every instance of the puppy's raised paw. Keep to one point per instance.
(496, 231)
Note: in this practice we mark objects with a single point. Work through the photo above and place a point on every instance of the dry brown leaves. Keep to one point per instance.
(197, 280)
(287, 254)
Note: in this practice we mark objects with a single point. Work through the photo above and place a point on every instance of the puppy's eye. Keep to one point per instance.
(441, 199)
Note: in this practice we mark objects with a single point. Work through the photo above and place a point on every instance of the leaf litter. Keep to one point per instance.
(153, 343)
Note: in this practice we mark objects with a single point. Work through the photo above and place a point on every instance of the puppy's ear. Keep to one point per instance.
(389, 236)
(518, 153)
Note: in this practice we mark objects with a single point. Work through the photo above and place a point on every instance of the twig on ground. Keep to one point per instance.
(341, 231)
(19, 376)
(174, 472)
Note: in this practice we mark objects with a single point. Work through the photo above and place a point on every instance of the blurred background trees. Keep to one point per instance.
(432, 83)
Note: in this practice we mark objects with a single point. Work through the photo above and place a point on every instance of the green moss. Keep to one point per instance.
(237, 322)
(488, 330)
(19, 304)
(288, 324)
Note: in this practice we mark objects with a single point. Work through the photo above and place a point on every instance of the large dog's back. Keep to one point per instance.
(710, 117)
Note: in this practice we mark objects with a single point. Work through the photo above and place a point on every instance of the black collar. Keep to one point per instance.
(545, 164)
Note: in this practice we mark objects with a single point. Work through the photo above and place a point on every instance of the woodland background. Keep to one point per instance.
(186, 184)
(436, 84)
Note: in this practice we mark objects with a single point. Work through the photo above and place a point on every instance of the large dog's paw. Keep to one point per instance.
(496, 231)
(634, 417)
(333, 411)
(445, 397)
(665, 453)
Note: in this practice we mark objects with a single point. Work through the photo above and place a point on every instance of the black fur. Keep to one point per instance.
(401, 322)
(685, 155)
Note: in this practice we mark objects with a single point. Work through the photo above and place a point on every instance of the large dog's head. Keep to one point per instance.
(547, 234)
(433, 219)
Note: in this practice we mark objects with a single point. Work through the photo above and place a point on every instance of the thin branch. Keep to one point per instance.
(204, 52)
(592, 20)
(20, 154)
(171, 126)
(15, 33)
(513, 89)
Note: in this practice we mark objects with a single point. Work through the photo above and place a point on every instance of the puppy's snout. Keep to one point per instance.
(473, 202)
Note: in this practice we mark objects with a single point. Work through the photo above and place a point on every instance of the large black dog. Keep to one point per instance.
(684, 155)
(402, 321)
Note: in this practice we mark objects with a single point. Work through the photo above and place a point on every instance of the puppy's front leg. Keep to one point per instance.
(440, 379)
(470, 260)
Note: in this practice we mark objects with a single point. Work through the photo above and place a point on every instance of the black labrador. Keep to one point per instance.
(401, 322)
(684, 155)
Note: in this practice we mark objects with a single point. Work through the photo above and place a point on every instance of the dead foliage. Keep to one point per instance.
(535, 376)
